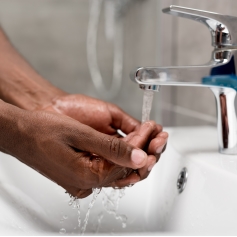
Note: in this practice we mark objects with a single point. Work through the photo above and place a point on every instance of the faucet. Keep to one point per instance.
(219, 74)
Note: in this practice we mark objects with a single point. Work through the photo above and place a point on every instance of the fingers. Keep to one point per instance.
(146, 132)
(125, 122)
(122, 120)
(125, 154)
(157, 144)
(109, 147)
(137, 176)
(144, 171)
(78, 193)
(129, 180)
(156, 147)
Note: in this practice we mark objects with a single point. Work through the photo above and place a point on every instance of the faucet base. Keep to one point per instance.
(226, 119)
(228, 151)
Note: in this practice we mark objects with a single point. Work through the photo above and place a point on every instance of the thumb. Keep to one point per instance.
(111, 148)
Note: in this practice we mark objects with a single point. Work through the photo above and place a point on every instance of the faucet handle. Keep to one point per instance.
(223, 28)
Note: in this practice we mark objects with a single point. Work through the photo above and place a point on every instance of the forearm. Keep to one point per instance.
(11, 119)
(20, 84)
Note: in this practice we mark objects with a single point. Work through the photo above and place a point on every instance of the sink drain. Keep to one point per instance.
(182, 180)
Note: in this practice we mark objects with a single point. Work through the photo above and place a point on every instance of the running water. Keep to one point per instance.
(111, 204)
(99, 221)
(96, 192)
(75, 203)
(147, 104)
(78, 213)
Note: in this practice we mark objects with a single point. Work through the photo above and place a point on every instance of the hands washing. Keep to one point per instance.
(71, 139)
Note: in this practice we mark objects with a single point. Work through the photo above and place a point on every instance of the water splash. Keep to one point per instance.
(111, 204)
(65, 217)
(62, 231)
(96, 192)
(99, 221)
(147, 104)
(72, 200)
(78, 213)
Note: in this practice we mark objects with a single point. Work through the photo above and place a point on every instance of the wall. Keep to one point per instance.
(51, 35)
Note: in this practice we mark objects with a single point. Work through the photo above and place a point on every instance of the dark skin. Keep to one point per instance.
(71, 139)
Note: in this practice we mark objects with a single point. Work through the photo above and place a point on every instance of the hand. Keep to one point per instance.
(100, 115)
(107, 118)
(63, 150)
(151, 140)
(61, 147)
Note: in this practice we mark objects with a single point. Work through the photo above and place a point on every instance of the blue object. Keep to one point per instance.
(221, 80)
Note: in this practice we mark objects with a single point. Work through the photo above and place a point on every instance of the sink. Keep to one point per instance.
(33, 205)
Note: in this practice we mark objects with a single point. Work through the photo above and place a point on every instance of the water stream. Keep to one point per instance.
(75, 203)
(147, 104)
(96, 192)
(110, 203)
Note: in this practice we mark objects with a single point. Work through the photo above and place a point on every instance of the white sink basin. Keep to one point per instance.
(33, 205)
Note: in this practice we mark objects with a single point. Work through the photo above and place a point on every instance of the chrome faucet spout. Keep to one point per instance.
(184, 75)
(223, 62)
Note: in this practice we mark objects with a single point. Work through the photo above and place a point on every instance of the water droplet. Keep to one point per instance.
(96, 190)
(111, 204)
(71, 201)
(78, 204)
(74, 205)
(65, 217)
(62, 231)
(99, 221)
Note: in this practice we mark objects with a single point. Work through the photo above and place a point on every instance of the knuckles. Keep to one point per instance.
(114, 147)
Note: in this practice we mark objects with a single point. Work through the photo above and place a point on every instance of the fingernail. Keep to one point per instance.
(138, 156)
(159, 149)
(151, 167)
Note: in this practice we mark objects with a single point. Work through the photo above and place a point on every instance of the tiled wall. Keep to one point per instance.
(51, 34)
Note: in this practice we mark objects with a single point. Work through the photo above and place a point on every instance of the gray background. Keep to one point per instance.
(51, 35)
